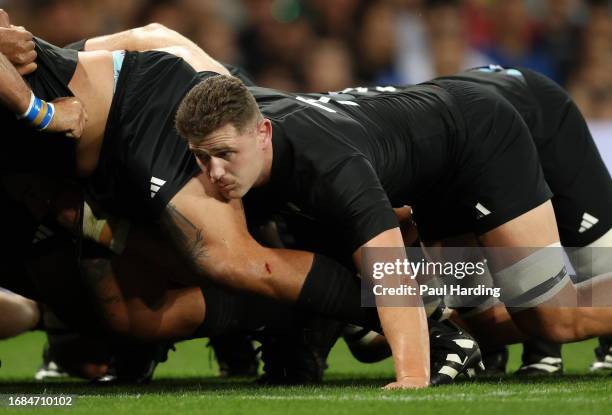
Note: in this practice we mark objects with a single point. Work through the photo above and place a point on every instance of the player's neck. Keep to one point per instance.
(266, 171)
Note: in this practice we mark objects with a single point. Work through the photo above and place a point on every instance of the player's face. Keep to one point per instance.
(232, 159)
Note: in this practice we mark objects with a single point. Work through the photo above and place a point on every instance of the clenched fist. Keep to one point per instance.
(17, 45)
(70, 117)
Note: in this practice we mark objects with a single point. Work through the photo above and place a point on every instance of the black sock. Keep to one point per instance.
(534, 350)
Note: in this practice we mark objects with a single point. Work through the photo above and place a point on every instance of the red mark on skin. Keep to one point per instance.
(268, 268)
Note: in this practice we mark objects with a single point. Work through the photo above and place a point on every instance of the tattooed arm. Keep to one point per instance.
(212, 235)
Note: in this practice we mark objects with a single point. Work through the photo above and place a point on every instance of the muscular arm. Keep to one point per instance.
(405, 324)
(354, 198)
(212, 235)
(14, 93)
(158, 37)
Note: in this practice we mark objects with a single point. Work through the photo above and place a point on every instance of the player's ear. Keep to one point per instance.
(265, 132)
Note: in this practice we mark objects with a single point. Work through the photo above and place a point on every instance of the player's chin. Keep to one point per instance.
(235, 192)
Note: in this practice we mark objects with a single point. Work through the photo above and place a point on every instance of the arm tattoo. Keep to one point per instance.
(185, 235)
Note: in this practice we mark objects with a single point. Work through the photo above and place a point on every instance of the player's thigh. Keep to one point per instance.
(573, 168)
(537, 228)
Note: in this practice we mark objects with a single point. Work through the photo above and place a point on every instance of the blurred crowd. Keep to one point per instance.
(326, 45)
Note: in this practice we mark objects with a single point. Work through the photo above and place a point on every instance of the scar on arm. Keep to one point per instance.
(268, 268)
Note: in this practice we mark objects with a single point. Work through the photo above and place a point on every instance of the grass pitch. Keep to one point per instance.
(187, 384)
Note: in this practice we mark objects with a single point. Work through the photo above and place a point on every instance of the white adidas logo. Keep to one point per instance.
(482, 211)
(156, 184)
(42, 233)
(588, 221)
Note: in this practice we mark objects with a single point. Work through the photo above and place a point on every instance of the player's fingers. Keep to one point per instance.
(74, 131)
(25, 58)
(28, 45)
(4, 19)
(27, 69)
(24, 35)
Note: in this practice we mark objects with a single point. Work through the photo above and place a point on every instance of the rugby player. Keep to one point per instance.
(449, 149)
(159, 180)
(580, 190)
(581, 187)
(43, 264)
(576, 174)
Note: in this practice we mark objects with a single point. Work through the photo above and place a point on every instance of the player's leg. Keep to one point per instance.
(581, 185)
(17, 314)
(81, 353)
(507, 201)
(492, 325)
(535, 283)
(136, 299)
(235, 355)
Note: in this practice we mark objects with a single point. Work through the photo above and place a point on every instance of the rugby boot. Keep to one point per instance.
(495, 362)
(541, 358)
(235, 355)
(49, 369)
(453, 353)
(603, 356)
(299, 355)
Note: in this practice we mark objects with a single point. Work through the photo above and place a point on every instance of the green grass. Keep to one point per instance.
(187, 384)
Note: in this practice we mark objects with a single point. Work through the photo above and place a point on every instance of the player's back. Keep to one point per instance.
(404, 133)
(507, 82)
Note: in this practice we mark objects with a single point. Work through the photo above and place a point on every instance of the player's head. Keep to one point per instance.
(225, 130)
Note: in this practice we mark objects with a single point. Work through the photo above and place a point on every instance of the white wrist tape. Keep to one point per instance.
(93, 227)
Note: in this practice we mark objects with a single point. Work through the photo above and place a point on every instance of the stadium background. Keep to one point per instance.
(323, 45)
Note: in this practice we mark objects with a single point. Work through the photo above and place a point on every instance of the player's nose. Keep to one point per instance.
(215, 169)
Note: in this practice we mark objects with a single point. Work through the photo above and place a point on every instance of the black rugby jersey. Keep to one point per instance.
(346, 158)
(26, 149)
(535, 109)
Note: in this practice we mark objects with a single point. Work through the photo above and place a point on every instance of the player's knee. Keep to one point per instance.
(562, 328)
(554, 324)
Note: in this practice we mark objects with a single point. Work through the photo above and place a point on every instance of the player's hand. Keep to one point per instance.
(70, 117)
(408, 383)
(4, 19)
(17, 45)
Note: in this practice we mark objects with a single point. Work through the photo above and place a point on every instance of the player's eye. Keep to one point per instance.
(203, 157)
(225, 155)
